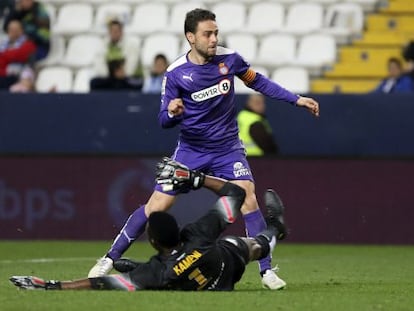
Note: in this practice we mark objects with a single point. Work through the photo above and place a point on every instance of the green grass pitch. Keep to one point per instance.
(319, 277)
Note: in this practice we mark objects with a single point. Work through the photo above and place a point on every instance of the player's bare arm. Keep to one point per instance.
(176, 107)
(310, 104)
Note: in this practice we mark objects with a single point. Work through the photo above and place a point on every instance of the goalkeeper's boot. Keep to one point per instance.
(271, 281)
(102, 267)
(275, 210)
(33, 282)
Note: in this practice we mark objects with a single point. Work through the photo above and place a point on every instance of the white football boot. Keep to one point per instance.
(270, 280)
(102, 267)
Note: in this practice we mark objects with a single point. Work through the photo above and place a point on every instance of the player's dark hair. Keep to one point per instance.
(162, 57)
(114, 65)
(194, 17)
(115, 22)
(395, 61)
(163, 229)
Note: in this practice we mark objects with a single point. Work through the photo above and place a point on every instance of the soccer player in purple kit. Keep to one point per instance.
(198, 95)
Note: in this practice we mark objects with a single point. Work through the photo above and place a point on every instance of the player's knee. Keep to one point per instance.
(159, 202)
(250, 203)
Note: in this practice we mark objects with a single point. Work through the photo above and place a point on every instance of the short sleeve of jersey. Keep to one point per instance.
(169, 89)
(241, 65)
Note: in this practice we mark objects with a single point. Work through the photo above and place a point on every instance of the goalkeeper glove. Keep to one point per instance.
(172, 175)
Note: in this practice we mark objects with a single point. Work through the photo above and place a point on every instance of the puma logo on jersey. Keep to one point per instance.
(190, 77)
(222, 88)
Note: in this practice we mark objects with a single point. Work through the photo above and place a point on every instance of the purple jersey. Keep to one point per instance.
(207, 91)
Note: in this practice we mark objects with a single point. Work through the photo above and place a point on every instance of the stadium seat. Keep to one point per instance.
(51, 11)
(295, 79)
(351, 86)
(82, 50)
(303, 18)
(81, 83)
(231, 16)
(56, 52)
(147, 18)
(264, 18)
(244, 44)
(316, 51)
(276, 50)
(167, 44)
(367, 5)
(133, 1)
(54, 79)
(241, 88)
(344, 21)
(324, 2)
(95, 2)
(177, 16)
(74, 18)
(110, 11)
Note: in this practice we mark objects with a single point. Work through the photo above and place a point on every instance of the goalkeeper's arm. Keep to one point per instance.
(172, 175)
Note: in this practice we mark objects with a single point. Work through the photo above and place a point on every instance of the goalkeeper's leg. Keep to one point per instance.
(133, 228)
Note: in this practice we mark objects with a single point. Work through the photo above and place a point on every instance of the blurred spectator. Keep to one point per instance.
(153, 83)
(36, 24)
(408, 54)
(5, 7)
(26, 82)
(118, 48)
(254, 129)
(15, 52)
(117, 80)
(397, 81)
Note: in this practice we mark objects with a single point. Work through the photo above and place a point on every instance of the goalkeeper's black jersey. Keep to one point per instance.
(201, 263)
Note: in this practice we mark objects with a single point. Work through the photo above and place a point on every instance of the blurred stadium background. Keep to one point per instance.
(319, 46)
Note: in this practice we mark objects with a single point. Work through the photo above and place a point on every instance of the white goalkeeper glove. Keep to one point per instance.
(172, 175)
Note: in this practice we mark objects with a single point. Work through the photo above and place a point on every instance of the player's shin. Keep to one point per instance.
(133, 228)
(255, 224)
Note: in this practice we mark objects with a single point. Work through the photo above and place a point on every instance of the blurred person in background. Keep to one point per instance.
(26, 82)
(5, 7)
(408, 54)
(117, 80)
(16, 51)
(397, 81)
(118, 48)
(36, 24)
(254, 130)
(153, 82)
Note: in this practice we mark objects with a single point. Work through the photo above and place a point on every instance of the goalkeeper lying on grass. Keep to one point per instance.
(193, 258)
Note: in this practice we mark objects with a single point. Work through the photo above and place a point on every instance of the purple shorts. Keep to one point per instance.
(230, 163)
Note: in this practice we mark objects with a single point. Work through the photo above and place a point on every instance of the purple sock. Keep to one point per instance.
(255, 224)
(133, 228)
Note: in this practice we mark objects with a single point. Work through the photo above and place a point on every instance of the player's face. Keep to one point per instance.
(206, 38)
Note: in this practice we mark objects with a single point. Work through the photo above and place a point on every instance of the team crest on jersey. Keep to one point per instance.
(223, 69)
(222, 88)
(240, 170)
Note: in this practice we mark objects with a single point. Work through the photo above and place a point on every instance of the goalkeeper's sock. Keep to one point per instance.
(133, 228)
(255, 224)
